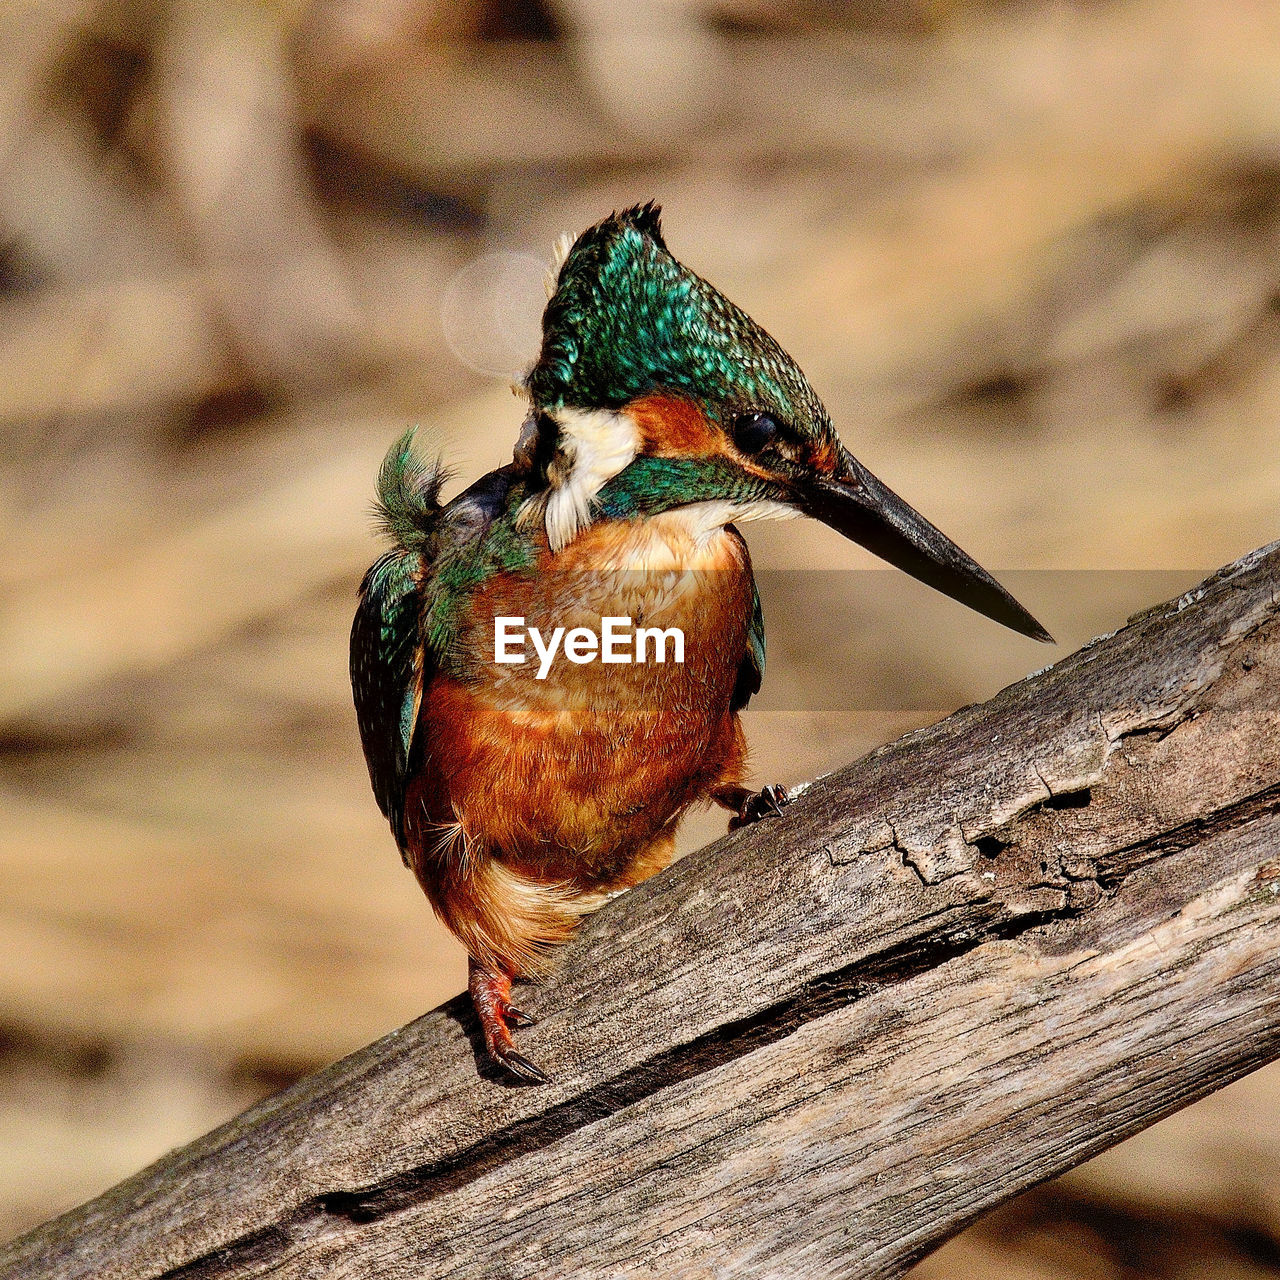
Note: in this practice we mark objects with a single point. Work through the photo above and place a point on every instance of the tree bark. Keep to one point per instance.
(821, 1046)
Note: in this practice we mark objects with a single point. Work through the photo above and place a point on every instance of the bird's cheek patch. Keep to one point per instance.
(593, 446)
(823, 456)
(674, 427)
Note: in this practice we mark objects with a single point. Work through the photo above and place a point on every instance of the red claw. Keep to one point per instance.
(491, 995)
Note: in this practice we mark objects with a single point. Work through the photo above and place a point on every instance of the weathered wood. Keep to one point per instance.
(955, 968)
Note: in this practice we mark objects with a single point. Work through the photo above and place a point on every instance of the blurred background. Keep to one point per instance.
(1027, 252)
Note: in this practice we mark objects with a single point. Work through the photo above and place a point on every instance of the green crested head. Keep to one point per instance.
(653, 392)
(627, 319)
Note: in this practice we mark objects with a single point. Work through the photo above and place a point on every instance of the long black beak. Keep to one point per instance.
(872, 515)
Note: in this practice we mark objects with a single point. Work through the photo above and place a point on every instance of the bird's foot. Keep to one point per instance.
(751, 806)
(491, 996)
(765, 803)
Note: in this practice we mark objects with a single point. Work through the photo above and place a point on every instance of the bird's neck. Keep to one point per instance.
(703, 494)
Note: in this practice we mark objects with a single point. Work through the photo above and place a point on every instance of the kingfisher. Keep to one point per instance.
(523, 794)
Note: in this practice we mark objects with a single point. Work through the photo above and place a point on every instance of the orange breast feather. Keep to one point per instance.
(568, 776)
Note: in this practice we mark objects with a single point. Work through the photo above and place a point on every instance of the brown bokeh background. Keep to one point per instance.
(1028, 253)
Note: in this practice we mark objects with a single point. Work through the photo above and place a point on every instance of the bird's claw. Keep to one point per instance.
(491, 996)
(766, 803)
(519, 1065)
(518, 1017)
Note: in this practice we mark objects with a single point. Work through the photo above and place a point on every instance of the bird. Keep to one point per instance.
(523, 794)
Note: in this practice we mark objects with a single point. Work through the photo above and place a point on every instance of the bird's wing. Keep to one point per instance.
(388, 670)
(751, 669)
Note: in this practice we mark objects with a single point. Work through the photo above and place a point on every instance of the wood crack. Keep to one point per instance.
(1126, 859)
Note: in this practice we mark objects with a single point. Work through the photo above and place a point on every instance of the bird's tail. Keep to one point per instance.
(506, 920)
(408, 503)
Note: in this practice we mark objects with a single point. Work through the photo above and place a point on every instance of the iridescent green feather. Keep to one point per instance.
(407, 508)
(386, 676)
(627, 317)
(650, 486)
(462, 568)
(412, 602)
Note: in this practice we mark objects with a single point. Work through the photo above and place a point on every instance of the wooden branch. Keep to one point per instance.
(955, 968)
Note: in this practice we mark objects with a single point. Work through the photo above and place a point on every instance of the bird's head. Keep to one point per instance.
(652, 390)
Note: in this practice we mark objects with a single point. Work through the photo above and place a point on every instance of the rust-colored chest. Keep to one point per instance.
(565, 767)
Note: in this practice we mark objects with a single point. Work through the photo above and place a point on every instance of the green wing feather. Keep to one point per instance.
(411, 602)
(387, 677)
(389, 664)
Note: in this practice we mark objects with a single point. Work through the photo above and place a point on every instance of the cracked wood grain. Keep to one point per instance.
(819, 1047)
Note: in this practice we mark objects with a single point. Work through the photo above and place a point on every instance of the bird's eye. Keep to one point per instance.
(753, 431)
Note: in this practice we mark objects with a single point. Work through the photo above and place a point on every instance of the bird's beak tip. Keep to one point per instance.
(862, 508)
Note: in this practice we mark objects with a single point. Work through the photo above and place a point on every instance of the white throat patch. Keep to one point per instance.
(704, 519)
(593, 446)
